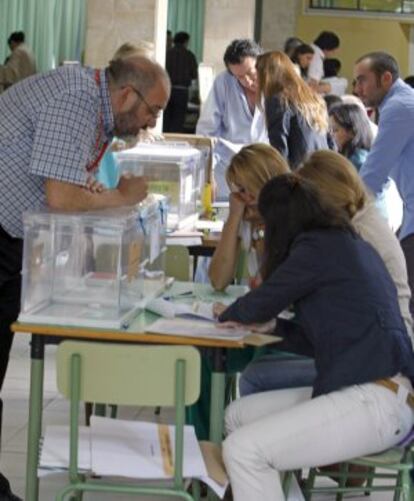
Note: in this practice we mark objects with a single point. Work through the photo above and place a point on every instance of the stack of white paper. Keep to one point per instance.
(131, 449)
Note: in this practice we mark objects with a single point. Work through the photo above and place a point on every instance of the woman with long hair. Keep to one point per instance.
(352, 132)
(302, 57)
(248, 172)
(347, 305)
(296, 117)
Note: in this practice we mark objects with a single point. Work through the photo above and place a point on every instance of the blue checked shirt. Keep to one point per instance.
(49, 128)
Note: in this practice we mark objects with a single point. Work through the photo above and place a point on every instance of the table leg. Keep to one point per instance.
(217, 403)
(35, 417)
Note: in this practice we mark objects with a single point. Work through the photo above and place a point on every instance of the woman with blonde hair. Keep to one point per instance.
(296, 116)
(248, 172)
(338, 184)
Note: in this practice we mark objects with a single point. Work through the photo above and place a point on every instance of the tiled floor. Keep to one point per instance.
(15, 397)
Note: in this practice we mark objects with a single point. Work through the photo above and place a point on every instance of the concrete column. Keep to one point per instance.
(278, 22)
(224, 21)
(111, 23)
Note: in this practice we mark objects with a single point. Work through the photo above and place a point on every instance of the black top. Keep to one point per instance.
(290, 133)
(181, 65)
(346, 303)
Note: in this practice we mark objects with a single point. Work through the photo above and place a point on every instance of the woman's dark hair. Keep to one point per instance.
(301, 49)
(290, 45)
(355, 120)
(238, 50)
(331, 67)
(331, 100)
(290, 206)
(17, 37)
(327, 40)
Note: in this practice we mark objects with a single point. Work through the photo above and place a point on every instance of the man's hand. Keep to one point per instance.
(94, 186)
(133, 189)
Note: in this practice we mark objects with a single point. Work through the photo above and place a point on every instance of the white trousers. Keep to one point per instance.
(286, 430)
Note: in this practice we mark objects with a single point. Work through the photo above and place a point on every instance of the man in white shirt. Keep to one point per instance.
(230, 111)
(325, 45)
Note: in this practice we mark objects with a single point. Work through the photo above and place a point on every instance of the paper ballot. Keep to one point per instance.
(172, 309)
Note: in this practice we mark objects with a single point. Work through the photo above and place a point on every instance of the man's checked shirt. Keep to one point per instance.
(49, 128)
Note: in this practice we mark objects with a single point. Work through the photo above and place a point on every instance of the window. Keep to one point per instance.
(386, 6)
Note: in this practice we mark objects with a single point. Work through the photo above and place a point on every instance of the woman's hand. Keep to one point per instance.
(218, 309)
(236, 206)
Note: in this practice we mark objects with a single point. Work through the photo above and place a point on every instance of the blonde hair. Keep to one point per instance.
(277, 75)
(128, 49)
(336, 180)
(254, 165)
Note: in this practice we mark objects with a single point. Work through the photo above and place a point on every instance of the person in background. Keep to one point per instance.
(53, 157)
(248, 172)
(350, 316)
(302, 57)
(181, 65)
(20, 64)
(325, 45)
(231, 111)
(331, 82)
(392, 155)
(296, 117)
(337, 182)
(169, 40)
(291, 44)
(351, 130)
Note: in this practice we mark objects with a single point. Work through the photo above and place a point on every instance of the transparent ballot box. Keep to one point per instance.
(82, 269)
(173, 170)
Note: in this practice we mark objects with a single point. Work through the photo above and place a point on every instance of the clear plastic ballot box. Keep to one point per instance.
(174, 170)
(83, 269)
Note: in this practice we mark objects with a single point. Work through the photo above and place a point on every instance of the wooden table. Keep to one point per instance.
(136, 333)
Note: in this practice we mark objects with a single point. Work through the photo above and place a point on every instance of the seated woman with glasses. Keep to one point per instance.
(361, 400)
(247, 173)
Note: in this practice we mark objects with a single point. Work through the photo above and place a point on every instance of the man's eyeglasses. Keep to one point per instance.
(154, 111)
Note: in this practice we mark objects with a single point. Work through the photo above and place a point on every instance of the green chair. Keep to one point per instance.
(127, 375)
(398, 461)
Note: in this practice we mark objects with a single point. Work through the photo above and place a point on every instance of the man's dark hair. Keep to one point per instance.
(239, 49)
(289, 206)
(381, 62)
(327, 40)
(331, 67)
(353, 119)
(17, 37)
(181, 38)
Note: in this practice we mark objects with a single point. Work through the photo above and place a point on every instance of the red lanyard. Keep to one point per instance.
(100, 147)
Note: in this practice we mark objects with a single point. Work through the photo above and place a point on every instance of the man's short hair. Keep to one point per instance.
(331, 67)
(380, 62)
(17, 37)
(137, 71)
(181, 38)
(327, 40)
(239, 49)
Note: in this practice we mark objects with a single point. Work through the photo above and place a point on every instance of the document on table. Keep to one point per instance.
(196, 328)
(172, 309)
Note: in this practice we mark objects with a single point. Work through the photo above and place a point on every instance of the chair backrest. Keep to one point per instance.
(127, 374)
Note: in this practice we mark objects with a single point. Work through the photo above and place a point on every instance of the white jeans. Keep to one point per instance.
(286, 430)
